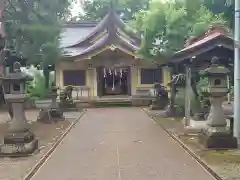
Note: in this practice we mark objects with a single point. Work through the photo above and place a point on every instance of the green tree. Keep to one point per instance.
(33, 27)
(226, 7)
(166, 26)
(96, 9)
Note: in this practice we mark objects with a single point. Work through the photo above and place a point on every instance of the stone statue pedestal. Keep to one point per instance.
(158, 103)
(216, 135)
(52, 113)
(66, 103)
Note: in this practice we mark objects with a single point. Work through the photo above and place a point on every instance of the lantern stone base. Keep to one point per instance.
(50, 115)
(217, 138)
(19, 144)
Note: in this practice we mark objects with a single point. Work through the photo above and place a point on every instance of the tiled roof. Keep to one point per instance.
(202, 41)
(101, 44)
(85, 37)
(211, 39)
(72, 35)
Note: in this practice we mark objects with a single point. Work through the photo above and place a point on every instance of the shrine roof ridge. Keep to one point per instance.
(84, 23)
(80, 23)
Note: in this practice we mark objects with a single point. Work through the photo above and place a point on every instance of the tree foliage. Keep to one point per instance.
(226, 7)
(96, 9)
(165, 26)
(37, 89)
(33, 28)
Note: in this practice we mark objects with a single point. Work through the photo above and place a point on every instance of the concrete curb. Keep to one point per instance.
(46, 156)
(201, 162)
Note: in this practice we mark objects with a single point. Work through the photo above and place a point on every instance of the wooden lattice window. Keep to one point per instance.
(74, 77)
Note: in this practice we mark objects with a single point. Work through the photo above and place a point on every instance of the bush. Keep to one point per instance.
(180, 103)
(36, 88)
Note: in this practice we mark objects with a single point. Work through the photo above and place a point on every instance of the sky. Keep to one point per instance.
(76, 8)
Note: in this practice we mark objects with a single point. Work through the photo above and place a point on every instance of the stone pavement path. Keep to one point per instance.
(120, 144)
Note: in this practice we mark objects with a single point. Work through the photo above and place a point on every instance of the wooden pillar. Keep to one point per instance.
(229, 87)
(187, 96)
(100, 82)
(129, 82)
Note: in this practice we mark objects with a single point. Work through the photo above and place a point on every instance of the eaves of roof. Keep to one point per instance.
(211, 41)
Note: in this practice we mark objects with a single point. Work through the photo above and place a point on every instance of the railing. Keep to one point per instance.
(79, 92)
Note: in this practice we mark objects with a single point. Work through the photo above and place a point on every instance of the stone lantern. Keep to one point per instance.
(19, 140)
(216, 135)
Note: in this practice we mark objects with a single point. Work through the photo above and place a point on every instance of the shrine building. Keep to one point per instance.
(100, 59)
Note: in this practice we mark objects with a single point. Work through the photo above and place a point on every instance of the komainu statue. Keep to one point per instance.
(161, 97)
(66, 100)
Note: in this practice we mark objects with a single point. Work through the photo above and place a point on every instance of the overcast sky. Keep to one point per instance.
(76, 8)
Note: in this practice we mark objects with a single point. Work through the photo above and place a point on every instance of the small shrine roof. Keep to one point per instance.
(200, 42)
(209, 41)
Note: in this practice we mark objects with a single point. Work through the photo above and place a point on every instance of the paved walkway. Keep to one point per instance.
(119, 144)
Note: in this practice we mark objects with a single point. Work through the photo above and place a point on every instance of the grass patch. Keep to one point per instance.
(212, 157)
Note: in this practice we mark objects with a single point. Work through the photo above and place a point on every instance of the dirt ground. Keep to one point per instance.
(47, 134)
(225, 162)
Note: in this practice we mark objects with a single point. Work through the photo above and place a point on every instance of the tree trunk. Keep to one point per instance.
(46, 74)
(194, 80)
(2, 99)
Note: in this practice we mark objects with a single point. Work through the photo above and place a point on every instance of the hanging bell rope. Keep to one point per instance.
(121, 75)
(104, 73)
(113, 85)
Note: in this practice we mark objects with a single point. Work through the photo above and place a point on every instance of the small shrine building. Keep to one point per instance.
(197, 56)
(199, 50)
(101, 59)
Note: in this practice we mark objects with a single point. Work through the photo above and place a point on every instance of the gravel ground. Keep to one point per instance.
(17, 168)
(228, 171)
